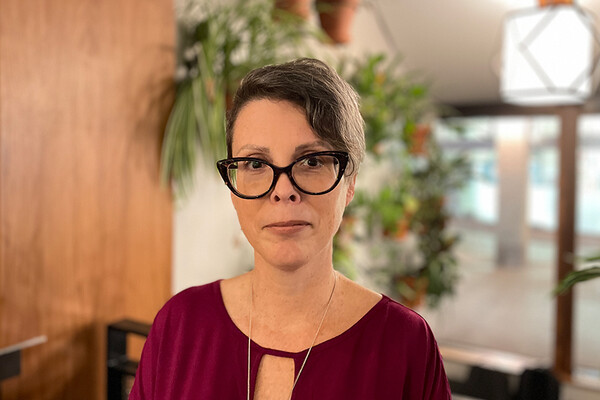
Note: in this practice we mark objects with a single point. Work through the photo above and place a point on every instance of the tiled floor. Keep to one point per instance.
(512, 309)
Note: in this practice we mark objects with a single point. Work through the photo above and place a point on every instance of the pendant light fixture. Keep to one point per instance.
(548, 55)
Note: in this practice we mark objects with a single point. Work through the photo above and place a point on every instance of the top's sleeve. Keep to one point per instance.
(437, 387)
(143, 386)
(412, 341)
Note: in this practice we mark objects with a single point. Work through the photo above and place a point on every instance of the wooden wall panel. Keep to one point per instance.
(85, 226)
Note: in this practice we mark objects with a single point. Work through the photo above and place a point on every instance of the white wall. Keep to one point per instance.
(208, 242)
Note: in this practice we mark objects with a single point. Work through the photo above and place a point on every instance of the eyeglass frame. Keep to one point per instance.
(342, 157)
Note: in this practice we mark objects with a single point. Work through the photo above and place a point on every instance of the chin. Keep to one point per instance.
(288, 260)
(291, 258)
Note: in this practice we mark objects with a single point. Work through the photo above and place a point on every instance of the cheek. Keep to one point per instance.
(243, 210)
(342, 207)
(336, 211)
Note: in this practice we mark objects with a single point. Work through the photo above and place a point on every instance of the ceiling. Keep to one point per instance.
(455, 43)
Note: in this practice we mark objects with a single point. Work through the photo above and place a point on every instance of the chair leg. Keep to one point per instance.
(116, 351)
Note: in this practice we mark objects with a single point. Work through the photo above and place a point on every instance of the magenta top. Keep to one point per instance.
(195, 351)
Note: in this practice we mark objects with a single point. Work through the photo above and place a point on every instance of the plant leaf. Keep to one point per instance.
(576, 277)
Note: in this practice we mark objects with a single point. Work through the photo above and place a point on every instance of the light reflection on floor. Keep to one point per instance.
(512, 309)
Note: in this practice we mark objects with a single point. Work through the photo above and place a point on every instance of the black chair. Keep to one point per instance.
(119, 366)
(483, 383)
(538, 384)
(487, 384)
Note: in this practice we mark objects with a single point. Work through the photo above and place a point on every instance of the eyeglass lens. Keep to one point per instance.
(313, 174)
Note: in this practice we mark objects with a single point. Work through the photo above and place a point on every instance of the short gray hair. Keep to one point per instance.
(331, 104)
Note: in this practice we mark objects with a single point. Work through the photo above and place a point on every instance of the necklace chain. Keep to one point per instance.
(309, 349)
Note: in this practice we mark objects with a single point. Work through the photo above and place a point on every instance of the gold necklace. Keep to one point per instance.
(309, 349)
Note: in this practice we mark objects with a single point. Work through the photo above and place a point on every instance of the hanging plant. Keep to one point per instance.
(219, 45)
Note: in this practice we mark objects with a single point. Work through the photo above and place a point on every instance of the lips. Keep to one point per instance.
(287, 224)
(292, 227)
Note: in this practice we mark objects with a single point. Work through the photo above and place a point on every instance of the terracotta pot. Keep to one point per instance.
(420, 137)
(403, 226)
(336, 18)
(417, 289)
(544, 3)
(401, 229)
(300, 8)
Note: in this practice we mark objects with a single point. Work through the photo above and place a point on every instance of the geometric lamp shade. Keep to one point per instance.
(548, 56)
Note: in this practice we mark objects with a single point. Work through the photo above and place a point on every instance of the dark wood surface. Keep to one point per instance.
(503, 109)
(85, 226)
(563, 347)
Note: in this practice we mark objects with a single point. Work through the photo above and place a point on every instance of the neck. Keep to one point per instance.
(282, 293)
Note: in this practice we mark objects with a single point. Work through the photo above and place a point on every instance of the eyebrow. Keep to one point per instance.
(298, 149)
(312, 145)
(260, 149)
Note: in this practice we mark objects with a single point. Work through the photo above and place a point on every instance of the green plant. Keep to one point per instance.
(585, 274)
(215, 51)
(392, 102)
(403, 214)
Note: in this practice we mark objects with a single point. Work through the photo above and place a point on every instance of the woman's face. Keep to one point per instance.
(286, 228)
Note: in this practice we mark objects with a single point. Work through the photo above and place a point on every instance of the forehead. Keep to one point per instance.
(272, 124)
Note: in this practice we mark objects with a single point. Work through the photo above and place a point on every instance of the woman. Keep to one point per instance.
(292, 327)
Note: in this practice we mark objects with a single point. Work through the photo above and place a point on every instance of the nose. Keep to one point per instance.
(284, 190)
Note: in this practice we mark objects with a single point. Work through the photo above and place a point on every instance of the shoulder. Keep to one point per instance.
(397, 313)
(401, 322)
(192, 304)
(209, 292)
(409, 344)
(178, 335)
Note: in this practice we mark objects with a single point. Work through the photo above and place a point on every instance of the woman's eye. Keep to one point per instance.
(252, 165)
(312, 162)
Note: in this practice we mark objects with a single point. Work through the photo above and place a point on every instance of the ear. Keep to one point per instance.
(350, 189)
